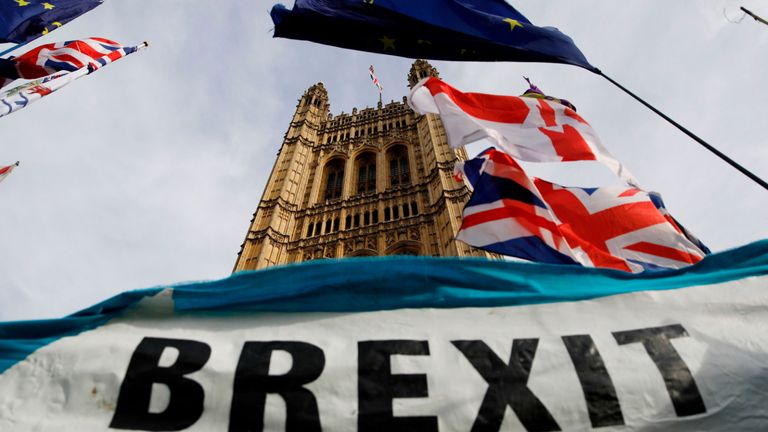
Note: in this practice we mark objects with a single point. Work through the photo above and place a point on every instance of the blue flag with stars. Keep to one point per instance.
(463, 30)
(24, 20)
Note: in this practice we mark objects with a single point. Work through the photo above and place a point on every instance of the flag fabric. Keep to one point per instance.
(452, 344)
(25, 94)
(527, 128)
(6, 170)
(375, 80)
(62, 56)
(22, 96)
(24, 20)
(611, 227)
(463, 30)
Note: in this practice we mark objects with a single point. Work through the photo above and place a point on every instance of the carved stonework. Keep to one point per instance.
(371, 243)
(300, 221)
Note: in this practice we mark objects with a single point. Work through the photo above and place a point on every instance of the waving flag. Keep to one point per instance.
(405, 344)
(23, 95)
(63, 56)
(528, 128)
(24, 20)
(619, 228)
(465, 30)
(375, 80)
(6, 170)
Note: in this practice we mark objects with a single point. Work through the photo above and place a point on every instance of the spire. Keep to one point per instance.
(420, 70)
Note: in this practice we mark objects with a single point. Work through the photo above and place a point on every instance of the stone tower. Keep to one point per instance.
(373, 182)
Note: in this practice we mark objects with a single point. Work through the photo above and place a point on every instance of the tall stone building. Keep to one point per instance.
(373, 182)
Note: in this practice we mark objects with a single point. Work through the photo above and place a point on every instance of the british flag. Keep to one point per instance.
(611, 227)
(70, 56)
(530, 128)
(6, 170)
(375, 80)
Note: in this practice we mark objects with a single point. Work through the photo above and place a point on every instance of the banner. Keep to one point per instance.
(397, 344)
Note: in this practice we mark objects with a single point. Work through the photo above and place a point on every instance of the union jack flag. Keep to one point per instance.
(375, 80)
(69, 56)
(4, 171)
(623, 228)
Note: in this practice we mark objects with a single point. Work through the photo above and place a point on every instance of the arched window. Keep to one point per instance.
(386, 214)
(366, 173)
(334, 179)
(309, 229)
(414, 208)
(406, 212)
(399, 171)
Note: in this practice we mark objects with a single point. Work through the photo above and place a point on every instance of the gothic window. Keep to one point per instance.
(366, 173)
(309, 229)
(375, 216)
(336, 224)
(357, 220)
(395, 212)
(399, 172)
(348, 222)
(414, 208)
(387, 216)
(327, 226)
(334, 179)
(366, 218)
(406, 211)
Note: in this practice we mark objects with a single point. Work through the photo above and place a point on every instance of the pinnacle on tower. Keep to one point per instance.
(420, 70)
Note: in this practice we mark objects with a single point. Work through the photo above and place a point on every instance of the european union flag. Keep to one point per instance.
(464, 30)
(24, 20)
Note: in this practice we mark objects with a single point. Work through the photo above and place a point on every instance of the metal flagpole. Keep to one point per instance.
(706, 145)
(757, 18)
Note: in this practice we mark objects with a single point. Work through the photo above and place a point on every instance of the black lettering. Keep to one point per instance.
(680, 384)
(602, 403)
(377, 387)
(186, 396)
(253, 383)
(507, 386)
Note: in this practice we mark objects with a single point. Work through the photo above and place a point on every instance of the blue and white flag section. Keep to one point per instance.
(406, 343)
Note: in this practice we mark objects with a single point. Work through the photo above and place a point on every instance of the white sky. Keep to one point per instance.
(148, 171)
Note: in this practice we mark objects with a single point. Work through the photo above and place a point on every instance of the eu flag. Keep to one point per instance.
(463, 30)
(24, 20)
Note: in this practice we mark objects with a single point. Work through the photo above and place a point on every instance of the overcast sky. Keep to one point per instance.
(148, 171)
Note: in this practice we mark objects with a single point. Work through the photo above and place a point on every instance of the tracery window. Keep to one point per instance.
(334, 179)
(366, 173)
(399, 171)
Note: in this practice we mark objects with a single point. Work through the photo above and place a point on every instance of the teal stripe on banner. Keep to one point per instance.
(366, 284)
(21, 338)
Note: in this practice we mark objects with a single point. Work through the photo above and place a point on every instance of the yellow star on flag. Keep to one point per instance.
(388, 43)
(512, 23)
(22, 2)
(48, 6)
(55, 23)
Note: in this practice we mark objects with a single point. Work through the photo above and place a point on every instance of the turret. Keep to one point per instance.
(420, 70)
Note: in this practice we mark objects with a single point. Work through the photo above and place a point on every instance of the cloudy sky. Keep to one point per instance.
(147, 172)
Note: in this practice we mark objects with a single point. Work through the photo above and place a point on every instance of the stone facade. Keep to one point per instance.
(373, 182)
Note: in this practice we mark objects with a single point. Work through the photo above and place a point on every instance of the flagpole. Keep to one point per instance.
(703, 143)
(757, 18)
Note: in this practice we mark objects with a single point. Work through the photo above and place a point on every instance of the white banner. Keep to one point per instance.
(687, 359)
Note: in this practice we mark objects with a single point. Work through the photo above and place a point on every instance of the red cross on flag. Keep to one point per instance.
(527, 128)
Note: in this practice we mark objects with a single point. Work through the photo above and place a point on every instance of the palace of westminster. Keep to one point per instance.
(371, 183)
